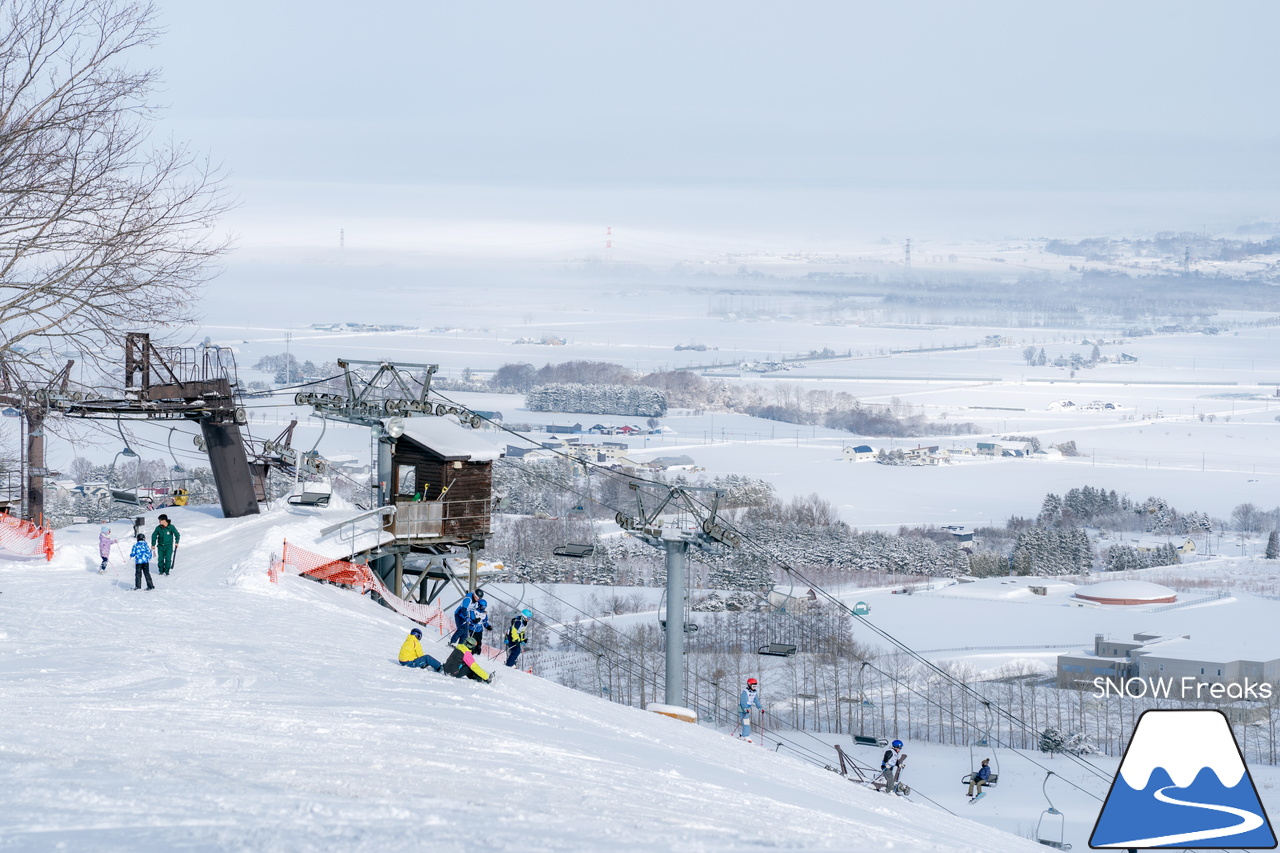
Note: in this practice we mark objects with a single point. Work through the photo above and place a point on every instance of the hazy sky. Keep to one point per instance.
(933, 96)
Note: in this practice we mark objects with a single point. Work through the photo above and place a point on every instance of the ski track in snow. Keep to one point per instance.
(221, 712)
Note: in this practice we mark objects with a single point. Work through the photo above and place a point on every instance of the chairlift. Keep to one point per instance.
(574, 550)
(983, 747)
(864, 702)
(1045, 833)
(311, 494)
(130, 497)
(780, 650)
(577, 551)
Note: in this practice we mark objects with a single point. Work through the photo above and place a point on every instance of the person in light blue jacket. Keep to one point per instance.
(141, 555)
(748, 698)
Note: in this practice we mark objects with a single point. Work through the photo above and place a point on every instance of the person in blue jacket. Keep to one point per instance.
(980, 778)
(141, 555)
(462, 617)
(748, 698)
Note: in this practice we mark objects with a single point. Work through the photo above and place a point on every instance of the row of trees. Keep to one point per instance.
(597, 399)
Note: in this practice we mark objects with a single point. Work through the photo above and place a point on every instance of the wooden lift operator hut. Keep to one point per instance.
(442, 489)
(434, 473)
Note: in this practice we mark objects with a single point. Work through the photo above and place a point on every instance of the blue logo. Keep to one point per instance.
(1183, 783)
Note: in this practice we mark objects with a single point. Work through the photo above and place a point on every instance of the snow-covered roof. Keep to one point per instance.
(1181, 648)
(450, 440)
(1126, 591)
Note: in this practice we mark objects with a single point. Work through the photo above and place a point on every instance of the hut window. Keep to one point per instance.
(406, 477)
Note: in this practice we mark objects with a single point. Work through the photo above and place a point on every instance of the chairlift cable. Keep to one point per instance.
(970, 690)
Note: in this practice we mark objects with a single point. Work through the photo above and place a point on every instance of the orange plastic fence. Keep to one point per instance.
(299, 561)
(19, 536)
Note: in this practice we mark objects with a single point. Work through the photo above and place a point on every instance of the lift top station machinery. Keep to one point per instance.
(188, 383)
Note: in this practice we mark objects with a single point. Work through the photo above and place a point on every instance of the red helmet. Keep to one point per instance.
(752, 681)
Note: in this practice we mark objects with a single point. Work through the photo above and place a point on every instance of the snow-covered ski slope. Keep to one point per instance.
(221, 712)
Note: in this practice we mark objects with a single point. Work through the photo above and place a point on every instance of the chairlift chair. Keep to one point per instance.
(573, 550)
(1044, 834)
(129, 497)
(781, 650)
(311, 494)
(979, 749)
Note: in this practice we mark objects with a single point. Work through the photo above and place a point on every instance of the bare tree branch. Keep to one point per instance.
(101, 231)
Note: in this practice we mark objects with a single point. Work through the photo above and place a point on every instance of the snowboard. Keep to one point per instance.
(979, 796)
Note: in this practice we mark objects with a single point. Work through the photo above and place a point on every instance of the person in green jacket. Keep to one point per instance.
(165, 540)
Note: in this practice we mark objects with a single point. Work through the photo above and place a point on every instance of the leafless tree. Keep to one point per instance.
(100, 229)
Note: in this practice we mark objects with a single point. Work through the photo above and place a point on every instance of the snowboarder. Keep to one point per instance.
(104, 546)
(978, 779)
(165, 540)
(891, 766)
(141, 555)
(748, 698)
(480, 621)
(411, 653)
(517, 635)
(462, 663)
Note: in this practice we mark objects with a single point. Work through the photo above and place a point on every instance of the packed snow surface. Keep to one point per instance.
(222, 712)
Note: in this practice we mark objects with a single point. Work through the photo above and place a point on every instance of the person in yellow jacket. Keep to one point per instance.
(411, 653)
(462, 663)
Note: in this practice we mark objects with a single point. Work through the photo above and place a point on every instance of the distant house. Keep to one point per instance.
(489, 416)
(986, 448)
(1187, 547)
(1126, 358)
(612, 450)
(558, 429)
(859, 453)
(1013, 453)
(791, 599)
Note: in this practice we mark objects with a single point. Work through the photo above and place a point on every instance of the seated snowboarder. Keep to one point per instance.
(979, 778)
(461, 663)
(411, 653)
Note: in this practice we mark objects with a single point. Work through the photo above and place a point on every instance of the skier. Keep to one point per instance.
(165, 540)
(104, 546)
(517, 635)
(141, 555)
(891, 766)
(480, 622)
(462, 663)
(462, 617)
(977, 780)
(411, 653)
(748, 698)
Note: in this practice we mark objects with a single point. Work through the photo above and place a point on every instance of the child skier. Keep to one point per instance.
(748, 698)
(104, 546)
(517, 635)
(141, 555)
(891, 766)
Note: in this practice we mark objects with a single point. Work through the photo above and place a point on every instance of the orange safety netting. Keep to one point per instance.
(24, 537)
(298, 561)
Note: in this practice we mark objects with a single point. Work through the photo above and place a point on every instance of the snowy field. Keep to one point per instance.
(221, 712)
